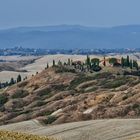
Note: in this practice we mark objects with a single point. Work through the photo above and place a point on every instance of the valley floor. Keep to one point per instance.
(112, 129)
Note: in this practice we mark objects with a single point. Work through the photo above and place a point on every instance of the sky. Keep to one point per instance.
(106, 13)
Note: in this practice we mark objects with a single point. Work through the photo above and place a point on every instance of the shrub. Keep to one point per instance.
(117, 82)
(135, 106)
(3, 99)
(114, 84)
(103, 75)
(125, 97)
(20, 94)
(49, 113)
(63, 69)
(40, 103)
(50, 119)
(96, 68)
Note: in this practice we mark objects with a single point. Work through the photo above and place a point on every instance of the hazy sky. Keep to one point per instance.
(84, 12)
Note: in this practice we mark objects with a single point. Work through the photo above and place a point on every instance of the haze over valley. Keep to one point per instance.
(71, 37)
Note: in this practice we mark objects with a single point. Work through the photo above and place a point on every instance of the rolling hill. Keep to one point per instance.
(59, 95)
(71, 36)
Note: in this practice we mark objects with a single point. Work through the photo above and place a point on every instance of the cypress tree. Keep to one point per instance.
(88, 61)
(122, 62)
(12, 81)
(104, 63)
(19, 78)
(47, 66)
(131, 64)
(69, 62)
(127, 60)
(135, 64)
(53, 63)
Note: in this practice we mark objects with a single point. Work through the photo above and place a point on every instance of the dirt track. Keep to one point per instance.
(117, 129)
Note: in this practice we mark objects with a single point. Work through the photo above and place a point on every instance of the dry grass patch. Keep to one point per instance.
(6, 135)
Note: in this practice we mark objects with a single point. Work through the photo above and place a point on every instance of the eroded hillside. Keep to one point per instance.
(59, 95)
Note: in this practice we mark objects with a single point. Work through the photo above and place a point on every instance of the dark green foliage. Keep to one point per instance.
(114, 84)
(19, 78)
(131, 64)
(64, 69)
(112, 61)
(136, 106)
(49, 113)
(81, 78)
(125, 97)
(95, 62)
(3, 99)
(88, 62)
(12, 82)
(103, 75)
(20, 94)
(59, 63)
(127, 61)
(69, 62)
(53, 63)
(45, 92)
(96, 68)
(25, 78)
(117, 82)
(135, 64)
(0, 85)
(47, 65)
(50, 119)
(122, 62)
(40, 103)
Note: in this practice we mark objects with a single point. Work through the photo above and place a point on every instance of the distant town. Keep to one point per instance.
(19, 50)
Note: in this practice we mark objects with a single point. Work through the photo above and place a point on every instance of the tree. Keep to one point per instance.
(47, 65)
(104, 62)
(135, 64)
(112, 61)
(25, 78)
(69, 62)
(12, 81)
(122, 62)
(88, 62)
(127, 61)
(131, 64)
(6, 84)
(19, 78)
(95, 62)
(53, 63)
(59, 63)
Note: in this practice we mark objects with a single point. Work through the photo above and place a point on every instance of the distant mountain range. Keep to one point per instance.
(71, 36)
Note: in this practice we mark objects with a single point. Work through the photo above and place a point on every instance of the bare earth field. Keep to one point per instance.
(42, 61)
(113, 129)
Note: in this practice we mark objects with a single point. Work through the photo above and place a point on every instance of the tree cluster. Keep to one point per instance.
(127, 62)
(11, 82)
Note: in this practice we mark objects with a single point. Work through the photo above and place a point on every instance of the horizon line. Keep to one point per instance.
(57, 25)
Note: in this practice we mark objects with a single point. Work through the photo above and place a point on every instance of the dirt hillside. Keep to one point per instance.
(59, 95)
